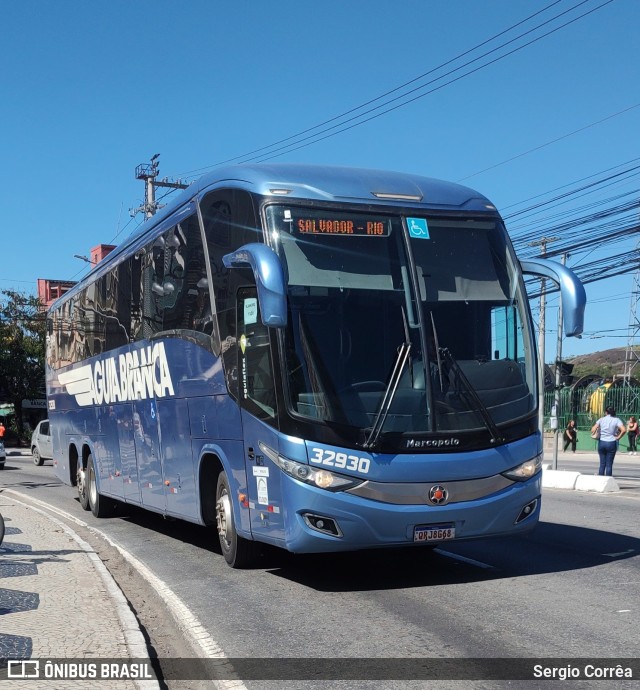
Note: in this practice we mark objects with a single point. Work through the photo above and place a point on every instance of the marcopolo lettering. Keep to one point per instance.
(135, 375)
(433, 442)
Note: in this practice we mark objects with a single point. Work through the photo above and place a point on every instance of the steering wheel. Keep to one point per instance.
(444, 408)
(367, 386)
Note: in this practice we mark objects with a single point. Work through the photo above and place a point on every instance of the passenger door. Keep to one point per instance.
(259, 417)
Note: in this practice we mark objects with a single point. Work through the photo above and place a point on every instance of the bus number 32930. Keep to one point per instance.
(341, 461)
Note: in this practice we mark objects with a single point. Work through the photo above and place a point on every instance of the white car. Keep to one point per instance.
(41, 443)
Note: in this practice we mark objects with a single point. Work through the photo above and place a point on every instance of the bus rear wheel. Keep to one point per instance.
(101, 506)
(237, 551)
(83, 491)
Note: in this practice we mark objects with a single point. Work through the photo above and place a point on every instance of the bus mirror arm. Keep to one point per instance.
(269, 277)
(572, 292)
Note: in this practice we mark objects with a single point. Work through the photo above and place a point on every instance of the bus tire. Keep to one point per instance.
(1, 528)
(101, 506)
(237, 551)
(83, 489)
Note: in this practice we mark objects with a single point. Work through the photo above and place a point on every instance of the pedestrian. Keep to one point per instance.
(570, 436)
(2, 432)
(632, 435)
(612, 430)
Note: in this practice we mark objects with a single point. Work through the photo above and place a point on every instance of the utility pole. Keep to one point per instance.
(556, 395)
(542, 243)
(632, 355)
(149, 173)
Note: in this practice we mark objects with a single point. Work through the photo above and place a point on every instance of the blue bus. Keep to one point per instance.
(316, 358)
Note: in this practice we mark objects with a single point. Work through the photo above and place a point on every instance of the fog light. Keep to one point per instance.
(323, 524)
(527, 511)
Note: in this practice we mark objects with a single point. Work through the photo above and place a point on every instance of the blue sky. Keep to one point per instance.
(92, 89)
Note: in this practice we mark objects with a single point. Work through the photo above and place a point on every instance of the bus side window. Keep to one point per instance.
(151, 279)
(229, 221)
(77, 349)
(186, 288)
(136, 296)
(94, 322)
(109, 305)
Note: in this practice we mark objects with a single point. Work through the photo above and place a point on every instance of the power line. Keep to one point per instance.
(556, 189)
(360, 119)
(549, 143)
(315, 138)
(533, 216)
(377, 98)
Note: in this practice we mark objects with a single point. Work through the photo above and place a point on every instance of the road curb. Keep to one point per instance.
(563, 479)
(136, 644)
(193, 630)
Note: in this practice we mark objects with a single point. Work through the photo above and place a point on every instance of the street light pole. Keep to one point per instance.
(542, 243)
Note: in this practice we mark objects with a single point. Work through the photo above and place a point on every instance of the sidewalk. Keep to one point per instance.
(565, 459)
(59, 603)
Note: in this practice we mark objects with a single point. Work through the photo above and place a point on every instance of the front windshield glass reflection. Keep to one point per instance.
(353, 306)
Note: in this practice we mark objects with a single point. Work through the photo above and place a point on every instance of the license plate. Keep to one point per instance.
(434, 532)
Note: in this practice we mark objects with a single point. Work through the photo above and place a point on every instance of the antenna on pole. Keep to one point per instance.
(149, 173)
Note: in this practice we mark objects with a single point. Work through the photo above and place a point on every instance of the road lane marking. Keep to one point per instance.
(620, 553)
(464, 559)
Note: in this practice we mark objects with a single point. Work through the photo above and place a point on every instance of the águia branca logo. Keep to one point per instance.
(135, 375)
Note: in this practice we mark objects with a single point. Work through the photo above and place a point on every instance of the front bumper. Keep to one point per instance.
(364, 523)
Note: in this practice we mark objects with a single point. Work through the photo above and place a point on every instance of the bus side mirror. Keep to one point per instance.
(269, 276)
(574, 298)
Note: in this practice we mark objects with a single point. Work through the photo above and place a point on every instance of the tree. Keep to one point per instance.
(22, 349)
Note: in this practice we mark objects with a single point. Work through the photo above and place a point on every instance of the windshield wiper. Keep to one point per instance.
(496, 437)
(389, 393)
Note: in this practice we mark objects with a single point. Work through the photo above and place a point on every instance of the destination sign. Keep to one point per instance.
(371, 226)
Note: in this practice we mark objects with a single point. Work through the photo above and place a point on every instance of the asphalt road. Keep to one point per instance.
(570, 590)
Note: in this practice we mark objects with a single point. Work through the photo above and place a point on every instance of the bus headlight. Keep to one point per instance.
(525, 471)
(320, 478)
(324, 479)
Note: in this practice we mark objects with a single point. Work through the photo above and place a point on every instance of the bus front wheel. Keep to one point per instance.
(237, 552)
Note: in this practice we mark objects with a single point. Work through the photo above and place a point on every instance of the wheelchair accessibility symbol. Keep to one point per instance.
(418, 228)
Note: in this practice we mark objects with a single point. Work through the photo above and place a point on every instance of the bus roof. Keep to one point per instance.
(345, 184)
(331, 183)
(318, 183)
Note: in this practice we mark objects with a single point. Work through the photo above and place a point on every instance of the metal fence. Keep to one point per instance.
(586, 406)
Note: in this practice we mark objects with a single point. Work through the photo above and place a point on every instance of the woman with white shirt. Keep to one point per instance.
(612, 429)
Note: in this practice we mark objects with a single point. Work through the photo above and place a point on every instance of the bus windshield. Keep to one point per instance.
(415, 324)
